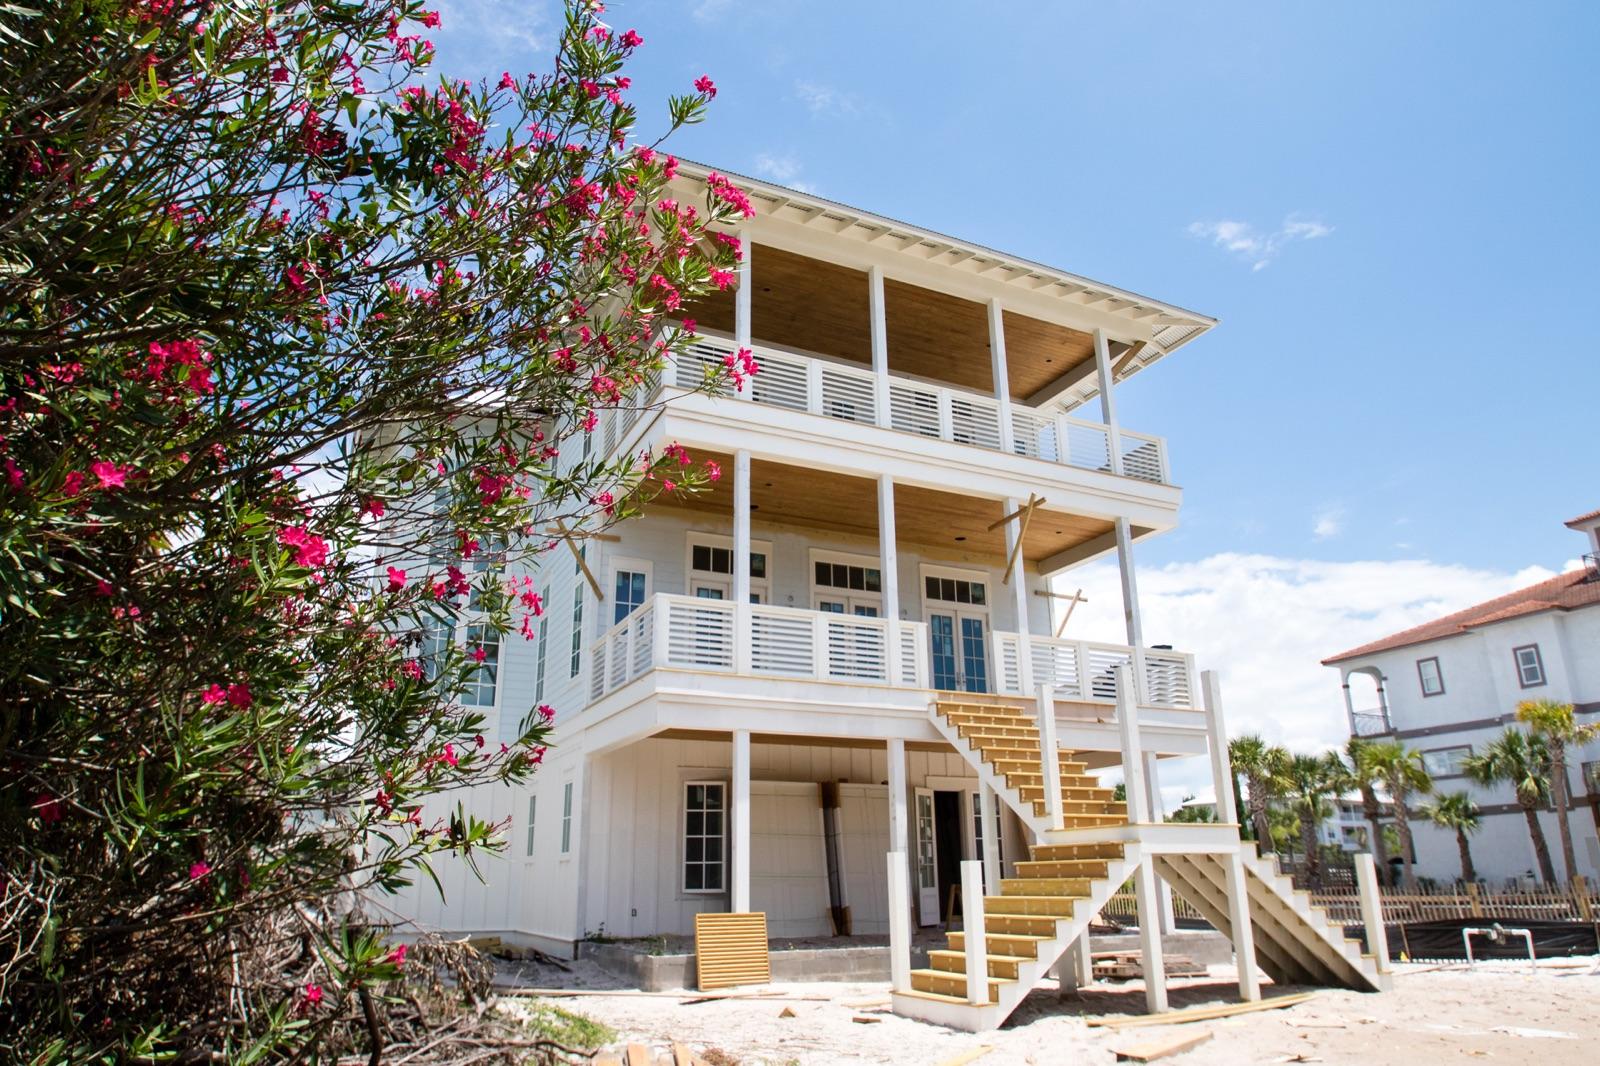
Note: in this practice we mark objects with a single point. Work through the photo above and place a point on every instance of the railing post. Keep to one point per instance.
(1025, 663)
(987, 811)
(899, 923)
(1217, 741)
(1141, 678)
(661, 637)
(891, 652)
(814, 386)
(1132, 749)
(1049, 760)
(1372, 910)
(947, 429)
(819, 640)
(972, 931)
(743, 635)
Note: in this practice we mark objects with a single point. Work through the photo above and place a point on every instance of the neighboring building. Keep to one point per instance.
(1452, 685)
(761, 689)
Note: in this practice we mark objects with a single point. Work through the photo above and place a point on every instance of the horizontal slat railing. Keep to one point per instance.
(724, 637)
(844, 391)
(1086, 670)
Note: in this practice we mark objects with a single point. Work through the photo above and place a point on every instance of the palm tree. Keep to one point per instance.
(1557, 724)
(1401, 770)
(1263, 766)
(1367, 779)
(1310, 780)
(1522, 761)
(1456, 812)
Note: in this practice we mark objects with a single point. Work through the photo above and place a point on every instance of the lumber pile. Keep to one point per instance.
(640, 1055)
(1128, 966)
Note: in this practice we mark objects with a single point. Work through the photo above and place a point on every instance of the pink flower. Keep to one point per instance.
(478, 655)
(310, 995)
(631, 39)
(449, 755)
(713, 470)
(429, 19)
(239, 695)
(102, 587)
(397, 956)
(199, 870)
(397, 579)
(72, 484)
(310, 550)
(704, 84)
(110, 474)
(49, 808)
(215, 694)
(14, 476)
(412, 669)
(507, 81)
(373, 507)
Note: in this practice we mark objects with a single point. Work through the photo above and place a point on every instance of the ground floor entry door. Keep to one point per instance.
(925, 867)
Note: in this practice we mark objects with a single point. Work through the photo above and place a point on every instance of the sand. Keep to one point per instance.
(1498, 1012)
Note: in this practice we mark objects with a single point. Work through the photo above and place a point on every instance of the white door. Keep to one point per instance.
(788, 863)
(925, 867)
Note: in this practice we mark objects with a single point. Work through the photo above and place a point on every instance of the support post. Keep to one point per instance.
(741, 526)
(1155, 973)
(1217, 741)
(899, 922)
(1002, 379)
(1108, 406)
(1075, 968)
(1019, 582)
(977, 943)
(1372, 910)
(1049, 760)
(740, 902)
(880, 344)
(1130, 584)
(987, 811)
(1244, 934)
(1152, 793)
(889, 576)
(1349, 706)
(1132, 749)
(898, 826)
(742, 295)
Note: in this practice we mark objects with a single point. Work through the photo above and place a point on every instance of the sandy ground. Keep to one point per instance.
(1500, 1012)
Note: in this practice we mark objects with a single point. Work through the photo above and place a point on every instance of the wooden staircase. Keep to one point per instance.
(1079, 864)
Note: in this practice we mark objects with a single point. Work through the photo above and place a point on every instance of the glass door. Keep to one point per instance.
(926, 865)
(960, 651)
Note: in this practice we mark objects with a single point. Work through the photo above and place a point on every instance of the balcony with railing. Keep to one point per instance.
(1082, 671)
(850, 392)
(1371, 723)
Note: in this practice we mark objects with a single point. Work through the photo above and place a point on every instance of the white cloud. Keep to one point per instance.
(1254, 246)
(1329, 523)
(783, 169)
(711, 10)
(1264, 623)
(494, 35)
(823, 99)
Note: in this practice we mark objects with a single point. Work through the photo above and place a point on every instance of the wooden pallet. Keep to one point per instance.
(731, 949)
(1128, 966)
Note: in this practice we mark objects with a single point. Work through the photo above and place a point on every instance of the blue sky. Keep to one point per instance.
(1391, 207)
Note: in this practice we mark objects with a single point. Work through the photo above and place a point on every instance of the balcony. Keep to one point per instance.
(850, 393)
(1371, 723)
(1081, 671)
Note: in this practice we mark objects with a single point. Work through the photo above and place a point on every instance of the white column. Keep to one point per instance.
(1075, 968)
(1244, 935)
(1132, 750)
(1349, 706)
(898, 826)
(1108, 406)
(987, 809)
(1019, 578)
(1002, 380)
(880, 342)
(977, 943)
(741, 526)
(741, 822)
(1130, 584)
(1152, 789)
(1217, 741)
(889, 574)
(1372, 910)
(1049, 760)
(1155, 973)
(742, 295)
(899, 922)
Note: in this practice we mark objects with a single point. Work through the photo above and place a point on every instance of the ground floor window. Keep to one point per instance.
(704, 809)
(566, 818)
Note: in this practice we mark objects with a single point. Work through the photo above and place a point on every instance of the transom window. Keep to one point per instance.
(1428, 673)
(711, 567)
(1446, 762)
(847, 576)
(704, 808)
(1530, 665)
(955, 590)
(713, 560)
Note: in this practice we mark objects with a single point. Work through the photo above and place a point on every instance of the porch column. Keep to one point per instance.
(741, 527)
(1002, 380)
(1019, 581)
(1130, 584)
(987, 809)
(880, 343)
(1108, 406)
(889, 575)
(899, 871)
(1145, 883)
(1349, 706)
(1152, 788)
(1244, 950)
(742, 295)
(740, 813)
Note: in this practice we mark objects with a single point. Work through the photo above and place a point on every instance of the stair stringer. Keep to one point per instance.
(958, 1014)
(1295, 941)
(987, 774)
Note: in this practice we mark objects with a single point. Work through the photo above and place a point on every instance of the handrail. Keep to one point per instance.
(1086, 671)
(846, 391)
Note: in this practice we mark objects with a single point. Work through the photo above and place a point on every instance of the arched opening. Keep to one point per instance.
(1367, 702)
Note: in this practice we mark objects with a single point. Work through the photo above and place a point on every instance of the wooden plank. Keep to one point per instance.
(605, 1059)
(731, 949)
(638, 1055)
(1151, 1050)
(1201, 1014)
(680, 1055)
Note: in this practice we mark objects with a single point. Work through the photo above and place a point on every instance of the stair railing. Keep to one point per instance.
(1049, 759)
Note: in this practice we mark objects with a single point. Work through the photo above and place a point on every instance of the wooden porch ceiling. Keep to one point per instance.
(808, 304)
(944, 521)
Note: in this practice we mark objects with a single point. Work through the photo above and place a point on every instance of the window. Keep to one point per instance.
(846, 576)
(1530, 666)
(544, 645)
(630, 593)
(703, 810)
(977, 834)
(577, 623)
(533, 809)
(481, 682)
(1446, 762)
(566, 818)
(1432, 680)
(1590, 772)
(714, 560)
(955, 590)
(846, 584)
(711, 567)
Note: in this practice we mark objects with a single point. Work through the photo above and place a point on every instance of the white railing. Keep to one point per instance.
(1087, 671)
(724, 637)
(840, 390)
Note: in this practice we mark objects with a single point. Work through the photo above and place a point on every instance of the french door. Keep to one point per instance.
(925, 865)
(960, 658)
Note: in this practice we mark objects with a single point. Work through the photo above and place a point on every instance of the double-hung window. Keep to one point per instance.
(1431, 679)
(576, 662)
(704, 809)
(1530, 665)
(566, 818)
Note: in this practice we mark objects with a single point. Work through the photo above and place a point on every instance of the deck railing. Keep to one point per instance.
(839, 390)
(1373, 723)
(724, 637)
(1086, 671)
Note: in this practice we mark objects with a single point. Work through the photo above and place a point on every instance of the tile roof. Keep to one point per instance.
(1581, 519)
(1566, 592)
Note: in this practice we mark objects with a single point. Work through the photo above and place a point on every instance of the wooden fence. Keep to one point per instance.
(1575, 902)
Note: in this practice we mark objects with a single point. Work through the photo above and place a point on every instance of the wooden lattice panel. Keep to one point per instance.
(731, 949)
